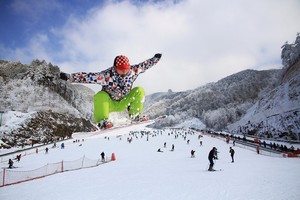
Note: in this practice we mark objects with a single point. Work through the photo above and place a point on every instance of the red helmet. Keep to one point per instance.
(121, 62)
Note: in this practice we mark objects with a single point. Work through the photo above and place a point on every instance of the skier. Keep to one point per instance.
(10, 163)
(102, 157)
(173, 147)
(159, 150)
(117, 93)
(231, 151)
(257, 149)
(211, 156)
(193, 153)
(19, 157)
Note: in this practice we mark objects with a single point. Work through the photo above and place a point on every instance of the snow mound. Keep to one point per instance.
(192, 123)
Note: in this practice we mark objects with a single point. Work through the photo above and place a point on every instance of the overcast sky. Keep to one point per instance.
(201, 41)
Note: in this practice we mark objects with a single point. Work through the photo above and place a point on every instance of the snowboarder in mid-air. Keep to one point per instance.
(117, 93)
(211, 157)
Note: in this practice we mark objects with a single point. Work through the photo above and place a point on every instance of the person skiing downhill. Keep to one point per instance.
(231, 151)
(10, 163)
(117, 93)
(212, 156)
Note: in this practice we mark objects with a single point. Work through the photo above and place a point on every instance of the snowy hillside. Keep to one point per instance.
(277, 113)
(140, 172)
(45, 108)
(215, 104)
(37, 87)
(270, 99)
(42, 106)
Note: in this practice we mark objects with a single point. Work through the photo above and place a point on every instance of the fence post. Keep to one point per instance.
(62, 166)
(82, 161)
(4, 171)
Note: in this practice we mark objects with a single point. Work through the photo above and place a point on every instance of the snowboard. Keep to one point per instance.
(128, 125)
(101, 131)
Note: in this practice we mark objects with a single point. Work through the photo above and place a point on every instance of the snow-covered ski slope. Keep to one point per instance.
(140, 172)
(115, 130)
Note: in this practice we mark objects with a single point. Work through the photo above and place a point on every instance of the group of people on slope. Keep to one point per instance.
(213, 155)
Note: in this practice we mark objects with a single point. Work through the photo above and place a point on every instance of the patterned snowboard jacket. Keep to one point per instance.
(112, 83)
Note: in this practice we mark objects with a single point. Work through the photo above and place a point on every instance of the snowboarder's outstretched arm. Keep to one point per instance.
(143, 66)
(106, 77)
(91, 77)
(83, 77)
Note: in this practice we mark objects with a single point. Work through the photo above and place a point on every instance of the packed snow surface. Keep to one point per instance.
(140, 172)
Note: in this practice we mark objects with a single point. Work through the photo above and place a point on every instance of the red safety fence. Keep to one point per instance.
(12, 176)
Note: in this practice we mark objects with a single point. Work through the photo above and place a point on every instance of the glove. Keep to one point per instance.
(158, 55)
(64, 76)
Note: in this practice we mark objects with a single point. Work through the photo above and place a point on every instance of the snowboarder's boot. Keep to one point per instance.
(144, 118)
(104, 124)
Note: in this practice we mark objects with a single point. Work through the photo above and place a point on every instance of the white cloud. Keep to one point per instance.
(36, 49)
(201, 40)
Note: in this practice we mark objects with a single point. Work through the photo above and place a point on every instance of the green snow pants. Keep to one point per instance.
(104, 104)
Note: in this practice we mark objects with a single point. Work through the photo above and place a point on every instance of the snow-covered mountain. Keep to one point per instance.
(216, 104)
(262, 103)
(277, 112)
(37, 106)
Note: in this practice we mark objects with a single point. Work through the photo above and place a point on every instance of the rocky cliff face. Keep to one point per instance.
(277, 113)
(57, 108)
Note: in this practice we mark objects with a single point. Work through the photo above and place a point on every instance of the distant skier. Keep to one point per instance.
(10, 163)
(231, 151)
(173, 147)
(117, 93)
(159, 150)
(102, 157)
(212, 156)
(193, 153)
(257, 149)
(19, 157)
